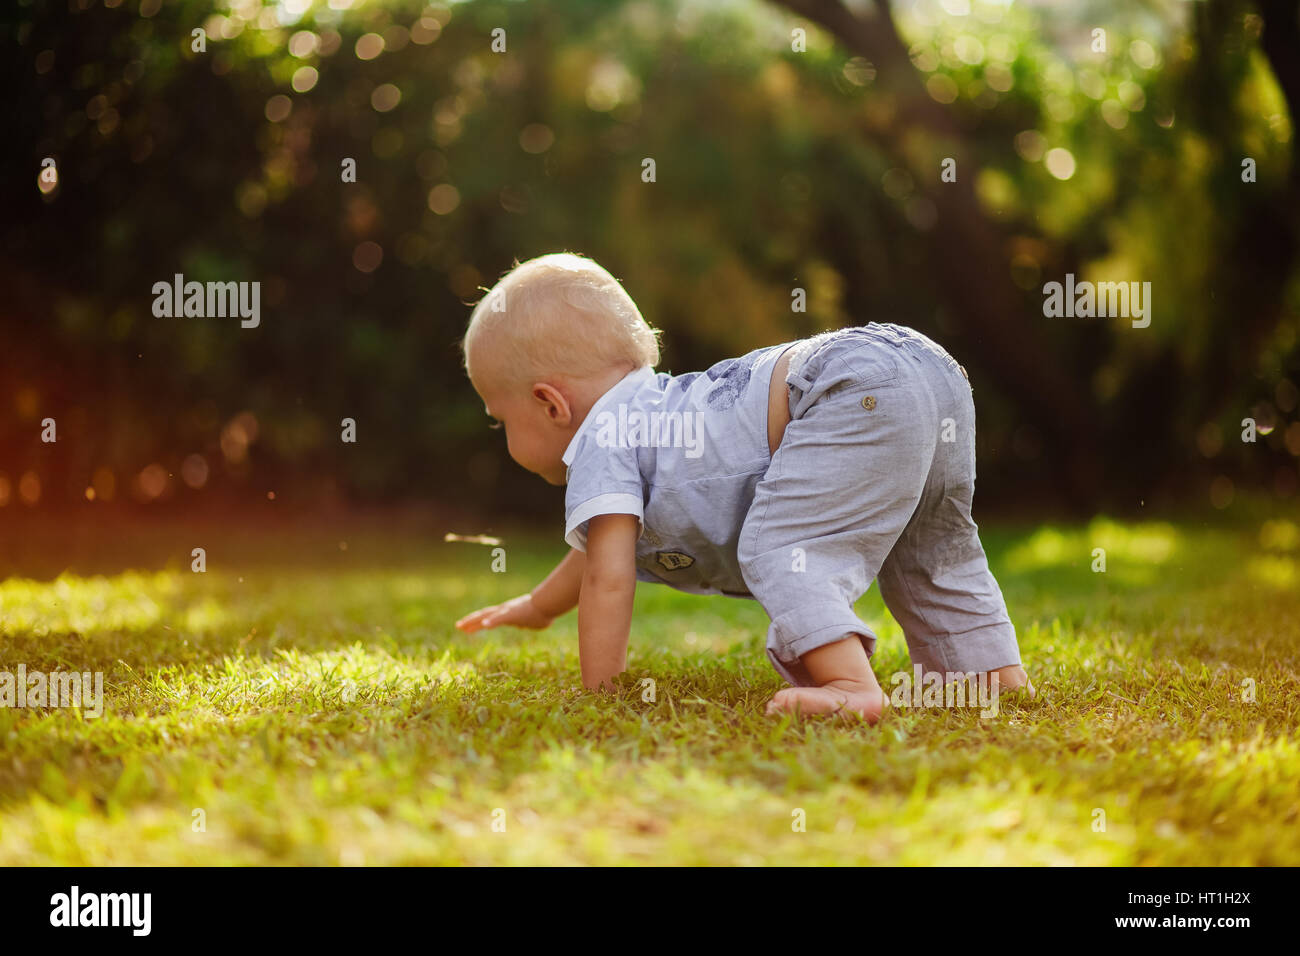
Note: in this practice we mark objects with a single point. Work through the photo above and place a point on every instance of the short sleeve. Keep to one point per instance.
(602, 480)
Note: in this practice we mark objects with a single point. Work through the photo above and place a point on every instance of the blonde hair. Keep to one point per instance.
(558, 314)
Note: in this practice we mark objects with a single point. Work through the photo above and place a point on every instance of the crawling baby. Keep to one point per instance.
(794, 475)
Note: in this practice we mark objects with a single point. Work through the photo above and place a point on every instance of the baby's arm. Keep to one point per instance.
(605, 601)
(556, 595)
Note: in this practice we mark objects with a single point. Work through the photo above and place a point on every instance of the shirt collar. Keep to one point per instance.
(636, 376)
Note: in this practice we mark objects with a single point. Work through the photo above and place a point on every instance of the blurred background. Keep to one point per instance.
(776, 168)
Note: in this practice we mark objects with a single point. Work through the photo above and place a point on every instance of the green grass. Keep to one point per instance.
(318, 707)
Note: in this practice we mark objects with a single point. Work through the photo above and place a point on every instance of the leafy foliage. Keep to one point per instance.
(776, 169)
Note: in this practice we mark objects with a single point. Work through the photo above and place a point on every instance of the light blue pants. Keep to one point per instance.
(873, 480)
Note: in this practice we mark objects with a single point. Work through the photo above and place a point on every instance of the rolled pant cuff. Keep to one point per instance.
(797, 632)
(979, 650)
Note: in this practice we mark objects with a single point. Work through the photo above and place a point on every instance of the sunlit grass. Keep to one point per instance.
(326, 712)
(1144, 546)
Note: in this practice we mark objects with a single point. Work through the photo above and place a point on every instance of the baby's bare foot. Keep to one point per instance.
(1013, 678)
(839, 697)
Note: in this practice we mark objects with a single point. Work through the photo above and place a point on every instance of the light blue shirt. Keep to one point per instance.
(683, 453)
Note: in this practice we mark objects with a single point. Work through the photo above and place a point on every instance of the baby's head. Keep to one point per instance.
(547, 341)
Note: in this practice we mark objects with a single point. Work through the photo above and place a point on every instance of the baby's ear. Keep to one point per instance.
(557, 405)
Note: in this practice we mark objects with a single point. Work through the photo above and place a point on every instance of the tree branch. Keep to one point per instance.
(969, 257)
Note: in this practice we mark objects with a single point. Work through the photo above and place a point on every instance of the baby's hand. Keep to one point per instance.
(517, 612)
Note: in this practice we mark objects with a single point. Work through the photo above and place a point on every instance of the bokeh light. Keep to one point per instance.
(443, 198)
(369, 46)
(1059, 162)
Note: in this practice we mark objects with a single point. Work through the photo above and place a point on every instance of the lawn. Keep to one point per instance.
(306, 700)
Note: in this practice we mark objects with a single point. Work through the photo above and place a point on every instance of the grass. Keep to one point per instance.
(312, 705)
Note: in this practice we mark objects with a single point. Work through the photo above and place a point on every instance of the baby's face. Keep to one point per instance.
(538, 424)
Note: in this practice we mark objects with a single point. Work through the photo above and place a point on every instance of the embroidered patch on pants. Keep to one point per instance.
(674, 560)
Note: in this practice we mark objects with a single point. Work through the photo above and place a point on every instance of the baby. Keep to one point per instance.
(794, 475)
